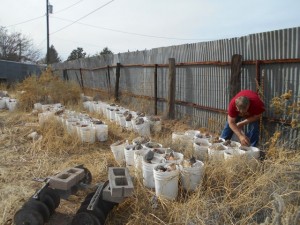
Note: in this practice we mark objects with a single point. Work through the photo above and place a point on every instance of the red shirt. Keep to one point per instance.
(256, 106)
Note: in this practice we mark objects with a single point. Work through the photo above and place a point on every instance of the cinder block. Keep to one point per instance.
(66, 179)
(106, 195)
(120, 182)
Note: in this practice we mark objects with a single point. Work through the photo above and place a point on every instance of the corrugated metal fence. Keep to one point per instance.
(202, 75)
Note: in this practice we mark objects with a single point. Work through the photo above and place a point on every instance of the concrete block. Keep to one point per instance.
(106, 195)
(66, 179)
(120, 182)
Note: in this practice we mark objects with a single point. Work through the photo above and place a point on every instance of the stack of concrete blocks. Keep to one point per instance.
(120, 185)
(66, 179)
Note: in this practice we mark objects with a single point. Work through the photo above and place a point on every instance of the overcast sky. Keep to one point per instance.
(123, 25)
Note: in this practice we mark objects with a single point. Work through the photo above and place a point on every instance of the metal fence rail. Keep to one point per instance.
(202, 74)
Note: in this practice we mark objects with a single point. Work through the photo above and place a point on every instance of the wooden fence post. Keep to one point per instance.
(108, 81)
(172, 88)
(117, 82)
(155, 89)
(81, 80)
(235, 79)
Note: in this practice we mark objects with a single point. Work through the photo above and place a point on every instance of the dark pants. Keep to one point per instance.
(252, 132)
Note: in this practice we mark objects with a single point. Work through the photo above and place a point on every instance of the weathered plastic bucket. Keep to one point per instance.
(192, 133)
(191, 177)
(216, 151)
(233, 153)
(166, 183)
(129, 155)
(148, 178)
(155, 125)
(140, 140)
(128, 125)
(178, 158)
(2, 103)
(143, 129)
(37, 106)
(232, 144)
(101, 132)
(181, 138)
(201, 148)
(45, 116)
(138, 158)
(117, 149)
(11, 104)
(152, 145)
(87, 134)
(251, 152)
(216, 140)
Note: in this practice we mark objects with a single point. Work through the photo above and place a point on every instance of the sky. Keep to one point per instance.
(131, 25)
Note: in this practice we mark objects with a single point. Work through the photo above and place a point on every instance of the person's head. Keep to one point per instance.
(242, 104)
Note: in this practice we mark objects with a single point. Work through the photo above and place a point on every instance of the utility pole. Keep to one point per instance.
(49, 9)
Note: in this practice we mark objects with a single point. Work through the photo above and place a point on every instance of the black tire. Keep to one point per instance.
(96, 212)
(106, 206)
(39, 207)
(87, 176)
(26, 216)
(85, 218)
(53, 194)
(49, 202)
(88, 198)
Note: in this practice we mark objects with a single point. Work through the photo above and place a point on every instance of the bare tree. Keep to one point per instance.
(16, 47)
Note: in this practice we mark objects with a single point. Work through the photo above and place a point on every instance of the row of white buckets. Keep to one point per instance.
(165, 183)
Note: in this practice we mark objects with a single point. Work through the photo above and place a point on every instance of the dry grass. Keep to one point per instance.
(46, 89)
(232, 192)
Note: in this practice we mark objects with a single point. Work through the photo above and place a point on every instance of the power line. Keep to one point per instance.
(131, 33)
(29, 20)
(68, 7)
(102, 6)
(26, 21)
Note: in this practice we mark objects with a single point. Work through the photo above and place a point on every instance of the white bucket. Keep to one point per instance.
(43, 117)
(2, 103)
(216, 151)
(152, 145)
(216, 140)
(140, 140)
(143, 129)
(251, 152)
(181, 138)
(233, 153)
(37, 106)
(11, 105)
(138, 158)
(128, 125)
(232, 144)
(166, 183)
(192, 133)
(117, 149)
(155, 124)
(87, 134)
(122, 120)
(201, 148)
(191, 177)
(129, 155)
(178, 158)
(148, 178)
(101, 132)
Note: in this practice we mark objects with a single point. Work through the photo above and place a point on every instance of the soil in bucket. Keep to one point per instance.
(191, 174)
(166, 177)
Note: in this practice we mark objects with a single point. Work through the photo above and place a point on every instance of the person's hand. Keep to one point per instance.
(240, 125)
(244, 140)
